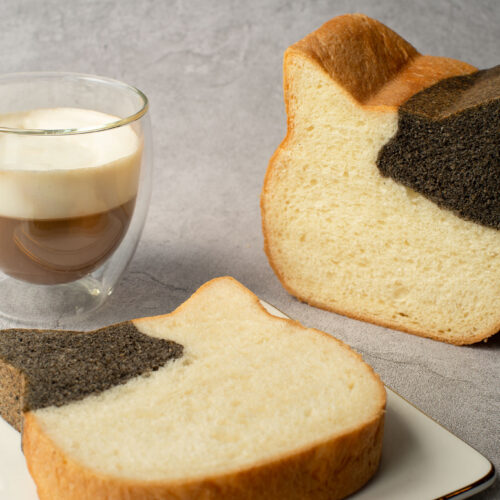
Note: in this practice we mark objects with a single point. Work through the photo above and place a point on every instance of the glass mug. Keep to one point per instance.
(75, 185)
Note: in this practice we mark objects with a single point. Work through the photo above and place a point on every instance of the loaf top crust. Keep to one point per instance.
(372, 62)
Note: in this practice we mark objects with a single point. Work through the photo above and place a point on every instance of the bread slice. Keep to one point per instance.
(242, 405)
(342, 231)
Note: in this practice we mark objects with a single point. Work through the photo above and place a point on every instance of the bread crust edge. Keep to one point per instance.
(461, 341)
(328, 471)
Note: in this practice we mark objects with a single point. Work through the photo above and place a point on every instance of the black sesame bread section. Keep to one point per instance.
(447, 146)
(44, 368)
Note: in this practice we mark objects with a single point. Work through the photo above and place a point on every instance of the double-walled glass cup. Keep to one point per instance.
(75, 184)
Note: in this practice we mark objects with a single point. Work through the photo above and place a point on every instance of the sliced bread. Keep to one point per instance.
(383, 201)
(225, 402)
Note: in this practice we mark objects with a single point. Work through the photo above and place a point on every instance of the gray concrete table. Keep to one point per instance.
(213, 72)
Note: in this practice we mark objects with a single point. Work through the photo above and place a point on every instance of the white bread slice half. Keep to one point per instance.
(340, 236)
(258, 407)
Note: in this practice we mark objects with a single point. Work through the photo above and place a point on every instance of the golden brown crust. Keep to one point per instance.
(380, 70)
(396, 326)
(328, 470)
(420, 73)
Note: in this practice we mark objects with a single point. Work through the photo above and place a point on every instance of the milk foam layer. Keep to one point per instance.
(52, 177)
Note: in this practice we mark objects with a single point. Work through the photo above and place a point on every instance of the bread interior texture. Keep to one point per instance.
(342, 237)
(249, 389)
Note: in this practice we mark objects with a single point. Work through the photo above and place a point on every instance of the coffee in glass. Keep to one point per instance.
(66, 204)
(75, 184)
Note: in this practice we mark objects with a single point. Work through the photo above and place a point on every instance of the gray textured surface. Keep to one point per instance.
(212, 70)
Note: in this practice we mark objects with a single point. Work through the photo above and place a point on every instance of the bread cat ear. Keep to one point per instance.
(43, 368)
(359, 53)
(239, 305)
(372, 63)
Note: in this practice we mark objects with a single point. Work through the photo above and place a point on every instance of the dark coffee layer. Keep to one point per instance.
(44, 368)
(52, 251)
(447, 146)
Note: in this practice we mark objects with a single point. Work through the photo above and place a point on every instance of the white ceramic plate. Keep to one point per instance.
(420, 460)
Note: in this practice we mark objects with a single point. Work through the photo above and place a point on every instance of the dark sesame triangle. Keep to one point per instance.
(43, 368)
(447, 146)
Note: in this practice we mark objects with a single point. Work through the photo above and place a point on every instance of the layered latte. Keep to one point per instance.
(65, 200)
